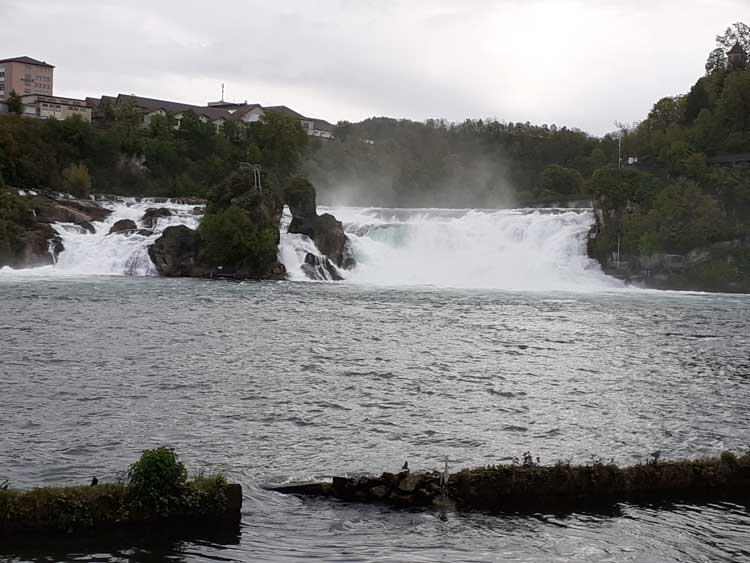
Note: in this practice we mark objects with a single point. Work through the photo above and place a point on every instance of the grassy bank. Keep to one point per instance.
(531, 487)
(157, 493)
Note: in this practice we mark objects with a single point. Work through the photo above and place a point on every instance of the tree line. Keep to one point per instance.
(118, 155)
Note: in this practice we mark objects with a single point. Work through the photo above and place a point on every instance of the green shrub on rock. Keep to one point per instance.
(156, 481)
(232, 240)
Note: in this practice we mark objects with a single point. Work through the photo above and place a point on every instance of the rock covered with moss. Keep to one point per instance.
(157, 493)
(238, 235)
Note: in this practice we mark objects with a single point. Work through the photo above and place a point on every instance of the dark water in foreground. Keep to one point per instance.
(276, 381)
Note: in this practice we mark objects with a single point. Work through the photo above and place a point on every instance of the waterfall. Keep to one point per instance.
(514, 249)
(295, 251)
(115, 254)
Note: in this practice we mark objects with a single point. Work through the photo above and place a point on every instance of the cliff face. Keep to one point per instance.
(721, 266)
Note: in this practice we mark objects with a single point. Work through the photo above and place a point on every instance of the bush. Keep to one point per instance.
(156, 481)
(77, 180)
(232, 240)
(560, 180)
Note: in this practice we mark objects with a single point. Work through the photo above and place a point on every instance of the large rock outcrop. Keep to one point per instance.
(325, 230)
(37, 247)
(50, 210)
(123, 226)
(176, 253)
(238, 237)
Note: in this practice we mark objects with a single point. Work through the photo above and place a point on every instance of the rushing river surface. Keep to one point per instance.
(277, 381)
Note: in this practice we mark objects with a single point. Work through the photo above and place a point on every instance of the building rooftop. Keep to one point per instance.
(228, 111)
(323, 125)
(151, 104)
(26, 60)
(286, 111)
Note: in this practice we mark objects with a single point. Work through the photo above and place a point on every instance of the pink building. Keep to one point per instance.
(25, 75)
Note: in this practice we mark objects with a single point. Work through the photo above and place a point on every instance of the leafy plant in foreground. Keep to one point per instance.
(156, 481)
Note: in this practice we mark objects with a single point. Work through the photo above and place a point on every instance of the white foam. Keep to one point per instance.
(518, 249)
(100, 253)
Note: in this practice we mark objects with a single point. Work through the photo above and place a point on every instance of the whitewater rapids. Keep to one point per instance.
(513, 249)
(100, 253)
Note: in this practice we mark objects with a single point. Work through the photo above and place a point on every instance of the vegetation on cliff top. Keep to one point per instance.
(118, 155)
(240, 230)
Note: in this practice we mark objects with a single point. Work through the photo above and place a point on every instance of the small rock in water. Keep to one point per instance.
(87, 226)
(409, 483)
(123, 226)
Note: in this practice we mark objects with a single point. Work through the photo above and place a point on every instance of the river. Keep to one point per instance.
(277, 381)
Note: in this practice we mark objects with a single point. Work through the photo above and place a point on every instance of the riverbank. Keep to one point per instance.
(666, 249)
(156, 495)
(530, 487)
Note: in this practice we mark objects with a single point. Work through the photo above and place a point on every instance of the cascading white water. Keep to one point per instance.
(516, 249)
(117, 253)
(294, 248)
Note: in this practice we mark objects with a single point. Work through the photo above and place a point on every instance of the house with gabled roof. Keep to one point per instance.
(217, 113)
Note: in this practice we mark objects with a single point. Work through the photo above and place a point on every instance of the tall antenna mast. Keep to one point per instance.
(222, 91)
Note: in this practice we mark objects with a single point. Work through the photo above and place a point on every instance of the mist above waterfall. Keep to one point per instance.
(482, 182)
(401, 163)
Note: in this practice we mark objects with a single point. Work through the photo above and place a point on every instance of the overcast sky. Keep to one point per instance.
(579, 63)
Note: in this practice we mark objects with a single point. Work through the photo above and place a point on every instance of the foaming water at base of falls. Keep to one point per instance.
(515, 249)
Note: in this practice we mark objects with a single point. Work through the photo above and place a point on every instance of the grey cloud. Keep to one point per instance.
(572, 62)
